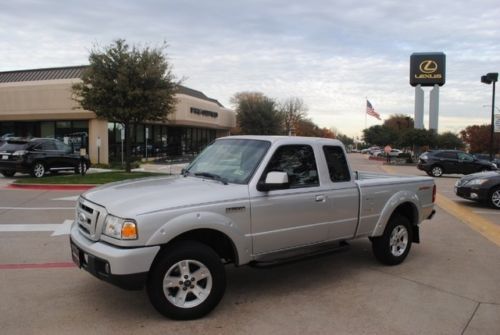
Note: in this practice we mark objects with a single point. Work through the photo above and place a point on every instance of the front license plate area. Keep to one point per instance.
(5, 157)
(76, 255)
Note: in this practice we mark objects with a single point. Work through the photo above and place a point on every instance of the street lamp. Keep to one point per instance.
(488, 79)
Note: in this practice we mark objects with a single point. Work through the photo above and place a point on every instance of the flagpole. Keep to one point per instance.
(366, 103)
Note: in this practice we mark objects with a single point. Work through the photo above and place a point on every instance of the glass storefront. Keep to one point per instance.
(74, 133)
(161, 140)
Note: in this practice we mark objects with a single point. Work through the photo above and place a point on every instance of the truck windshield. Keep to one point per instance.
(232, 161)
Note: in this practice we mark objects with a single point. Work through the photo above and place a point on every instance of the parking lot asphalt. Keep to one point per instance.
(447, 285)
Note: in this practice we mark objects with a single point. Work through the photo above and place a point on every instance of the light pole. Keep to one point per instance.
(488, 79)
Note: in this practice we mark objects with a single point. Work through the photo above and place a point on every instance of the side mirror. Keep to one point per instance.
(275, 180)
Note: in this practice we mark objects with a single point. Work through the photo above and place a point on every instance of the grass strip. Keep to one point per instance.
(90, 178)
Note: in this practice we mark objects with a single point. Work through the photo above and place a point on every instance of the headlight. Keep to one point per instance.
(19, 153)
(475, 182)
(494, 165)
(122, 229)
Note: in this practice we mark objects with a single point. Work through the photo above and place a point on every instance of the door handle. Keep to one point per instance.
(320, 198)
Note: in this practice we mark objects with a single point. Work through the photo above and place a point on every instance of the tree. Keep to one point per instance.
(418, 138)
(127, 85)
(257, 114)
(293, 110)
(344, 139)
(478, 138)
(380, 135)
(399, 122)
(449, 140)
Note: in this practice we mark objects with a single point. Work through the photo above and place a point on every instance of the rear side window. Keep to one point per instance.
(46, 145)
(298, 162)
(447, 154)
(337, 164)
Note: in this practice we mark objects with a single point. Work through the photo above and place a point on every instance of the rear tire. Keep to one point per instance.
(38, 170)
(437, 171)
(186, 281)
(494, 199)
(394, 245)
(78, 168)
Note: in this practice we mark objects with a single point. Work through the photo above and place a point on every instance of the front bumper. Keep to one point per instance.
(471, 193)
(14, 165)
(124, 267)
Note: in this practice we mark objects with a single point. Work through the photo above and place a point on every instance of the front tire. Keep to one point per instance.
(394, 245)
(38, 170)
(495, 198)
(187, 281)
(8, 173)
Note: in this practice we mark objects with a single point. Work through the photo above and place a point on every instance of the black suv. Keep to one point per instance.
(37, 156)
(437, 162)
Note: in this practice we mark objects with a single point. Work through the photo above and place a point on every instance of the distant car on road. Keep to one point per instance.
(37, 156)
(482, 187)
(438, 162)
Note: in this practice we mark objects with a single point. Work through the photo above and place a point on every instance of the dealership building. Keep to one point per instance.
(40, 103)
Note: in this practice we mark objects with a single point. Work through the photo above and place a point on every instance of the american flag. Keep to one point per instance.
(371, 111)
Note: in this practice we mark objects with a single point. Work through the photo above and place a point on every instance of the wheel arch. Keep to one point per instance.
(217, 240)
(402, 203)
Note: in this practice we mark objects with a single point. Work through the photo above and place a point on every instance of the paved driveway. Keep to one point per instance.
(447, 285)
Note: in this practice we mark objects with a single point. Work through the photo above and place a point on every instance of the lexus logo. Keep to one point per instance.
(428, 66)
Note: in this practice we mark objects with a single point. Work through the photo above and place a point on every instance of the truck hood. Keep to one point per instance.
(129, 199)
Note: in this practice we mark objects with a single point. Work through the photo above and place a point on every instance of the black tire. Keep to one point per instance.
(494, 198)
(429, 173)
(38, 170)
(8, 173)
(210, 285)
(437, 171)
(389, 248)
(79, 166)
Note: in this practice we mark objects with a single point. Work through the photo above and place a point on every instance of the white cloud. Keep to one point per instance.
(332, 54)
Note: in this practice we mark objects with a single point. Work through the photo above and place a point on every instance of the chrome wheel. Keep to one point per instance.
(187, 283)
(495, 198)
(38, 170)
(437, 171)
(398, 240)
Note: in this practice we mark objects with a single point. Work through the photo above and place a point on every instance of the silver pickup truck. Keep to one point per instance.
(253, 200)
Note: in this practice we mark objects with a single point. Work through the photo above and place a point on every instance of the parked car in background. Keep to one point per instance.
(373, 150)
(39, 155)
(482, 187)
(392, 153)
(5, 137)
(486, 157)
(438, 162)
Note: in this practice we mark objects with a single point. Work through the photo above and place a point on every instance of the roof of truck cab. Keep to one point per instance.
(284, 139)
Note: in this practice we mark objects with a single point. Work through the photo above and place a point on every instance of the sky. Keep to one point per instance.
(332, 54)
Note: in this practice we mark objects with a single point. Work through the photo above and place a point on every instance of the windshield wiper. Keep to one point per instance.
(211, 176)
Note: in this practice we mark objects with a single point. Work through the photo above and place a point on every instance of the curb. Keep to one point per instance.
(52, 187)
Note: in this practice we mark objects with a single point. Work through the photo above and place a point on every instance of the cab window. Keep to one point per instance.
(298, 162)
(337, 164)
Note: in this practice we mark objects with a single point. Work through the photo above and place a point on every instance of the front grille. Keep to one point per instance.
(89, 217)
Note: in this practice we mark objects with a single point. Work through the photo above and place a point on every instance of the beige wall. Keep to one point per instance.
(52, 100)
(40, 100)
(98, 129)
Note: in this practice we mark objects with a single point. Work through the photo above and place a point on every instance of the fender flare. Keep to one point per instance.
(394, 202)
(204, 220)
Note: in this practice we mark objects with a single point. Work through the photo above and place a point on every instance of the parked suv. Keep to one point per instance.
(438, 162)
(37, 156)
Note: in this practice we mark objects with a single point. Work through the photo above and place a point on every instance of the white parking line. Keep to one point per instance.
(72, 198)
(57, 229)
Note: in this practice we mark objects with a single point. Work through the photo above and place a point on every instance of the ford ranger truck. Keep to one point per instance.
(245, 200)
